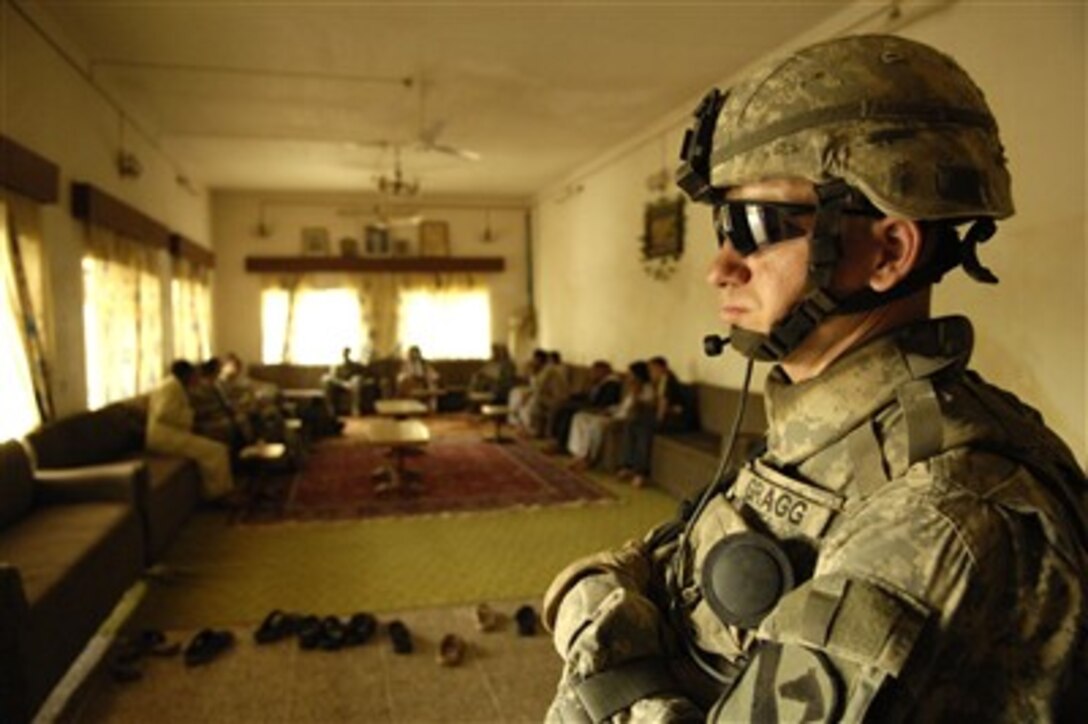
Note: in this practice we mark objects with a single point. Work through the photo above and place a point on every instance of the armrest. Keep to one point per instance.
(122, 481)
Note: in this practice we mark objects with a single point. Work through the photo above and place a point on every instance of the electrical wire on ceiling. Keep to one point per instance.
(124, 157)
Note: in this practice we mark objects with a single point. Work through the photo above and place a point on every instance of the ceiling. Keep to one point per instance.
(308, 95)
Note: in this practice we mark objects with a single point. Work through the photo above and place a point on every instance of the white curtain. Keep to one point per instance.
(191, 302)
(310, 320)
(16, 381)
(122, 317)
(447, 318)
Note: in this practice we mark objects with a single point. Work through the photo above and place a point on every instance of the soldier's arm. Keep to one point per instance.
(611, 637)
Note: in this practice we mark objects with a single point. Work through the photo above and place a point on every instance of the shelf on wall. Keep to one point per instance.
(429, 264)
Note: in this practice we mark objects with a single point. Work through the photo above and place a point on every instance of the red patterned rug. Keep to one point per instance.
(459, 471)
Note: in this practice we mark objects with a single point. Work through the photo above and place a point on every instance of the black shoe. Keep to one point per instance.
(333, 633)
(207, 645)
(310, 632)
(401, 636)
(526, 619)
(361, 628)
(277, 625)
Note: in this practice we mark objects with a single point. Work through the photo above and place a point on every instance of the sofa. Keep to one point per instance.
(116, 433)
(71, 543)
(683, 463)
(454, 376)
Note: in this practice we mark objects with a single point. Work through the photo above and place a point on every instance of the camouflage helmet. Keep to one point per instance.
(898, 120)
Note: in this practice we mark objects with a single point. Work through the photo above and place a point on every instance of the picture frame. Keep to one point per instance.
(434, 238)
(663, 235)
(349, 247)
(315, 241)
(376, 241)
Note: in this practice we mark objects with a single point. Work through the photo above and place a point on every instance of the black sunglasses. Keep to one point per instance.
(751, 225)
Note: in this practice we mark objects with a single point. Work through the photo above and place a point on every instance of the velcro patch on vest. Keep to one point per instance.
(788, 507)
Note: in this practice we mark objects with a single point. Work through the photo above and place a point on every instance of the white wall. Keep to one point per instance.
(595, 300)
(234, 227)
(47, 106)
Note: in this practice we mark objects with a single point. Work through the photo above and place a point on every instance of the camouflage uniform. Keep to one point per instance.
(928, 533)
(938, 531)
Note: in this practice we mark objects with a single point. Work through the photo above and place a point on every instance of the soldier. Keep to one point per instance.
(911, 544)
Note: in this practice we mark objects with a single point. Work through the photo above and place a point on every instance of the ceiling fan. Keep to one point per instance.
(427, 135)
(426, 138)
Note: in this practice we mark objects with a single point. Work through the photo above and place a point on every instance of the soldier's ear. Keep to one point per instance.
(899, 251)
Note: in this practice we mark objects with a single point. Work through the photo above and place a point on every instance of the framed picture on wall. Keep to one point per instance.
(315, 241)
(376, 241)
(664, 229)
(434, 238)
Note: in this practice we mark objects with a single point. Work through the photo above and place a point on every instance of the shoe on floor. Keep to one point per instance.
(451, 650)
(333, 633)
(526, 619)
(310, 631)
(361, 627)
(206, 645)
(401, 637)
(277, 625)
(487, 619)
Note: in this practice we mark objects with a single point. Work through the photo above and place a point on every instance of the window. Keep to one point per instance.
(192, 310)
(122, 318)
(453, 323)
(310, 326)
(16, 383)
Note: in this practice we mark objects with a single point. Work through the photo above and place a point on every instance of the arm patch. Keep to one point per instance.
(849, 618)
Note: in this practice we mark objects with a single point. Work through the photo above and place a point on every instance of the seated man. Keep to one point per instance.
(416, 374)
(254, 402)
(670, 412)
(589, 426)
(605, 390)
(549, 390)
(213, 415)
(170, 430)
(496, 377)
(354, 378)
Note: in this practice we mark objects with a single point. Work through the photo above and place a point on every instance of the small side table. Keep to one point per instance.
(497, 414)
(257, 462)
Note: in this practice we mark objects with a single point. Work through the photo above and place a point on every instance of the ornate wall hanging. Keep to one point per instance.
(663, 237)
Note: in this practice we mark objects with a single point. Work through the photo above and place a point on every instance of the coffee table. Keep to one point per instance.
(400, 408)
(401, 438)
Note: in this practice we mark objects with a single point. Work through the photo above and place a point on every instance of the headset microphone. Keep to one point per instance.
(714, 344)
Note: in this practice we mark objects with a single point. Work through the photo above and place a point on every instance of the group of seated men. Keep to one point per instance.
(209, 412)
(648, 399)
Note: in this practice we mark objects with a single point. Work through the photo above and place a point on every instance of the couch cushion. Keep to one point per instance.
(89, 438)
(49, 544)
(75, 562)
(16, 483)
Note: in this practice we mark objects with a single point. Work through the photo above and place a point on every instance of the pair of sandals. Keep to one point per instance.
(488, 619)
(329, 633)
(132, 649)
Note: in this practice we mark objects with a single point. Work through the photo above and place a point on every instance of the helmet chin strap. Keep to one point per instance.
(819, 303)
